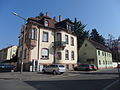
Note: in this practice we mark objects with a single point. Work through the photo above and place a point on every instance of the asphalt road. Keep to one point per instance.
(78, 80)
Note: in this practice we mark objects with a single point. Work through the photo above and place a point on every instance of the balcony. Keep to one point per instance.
(59, 44)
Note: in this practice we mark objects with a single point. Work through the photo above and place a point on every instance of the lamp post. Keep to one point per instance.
(14, 13)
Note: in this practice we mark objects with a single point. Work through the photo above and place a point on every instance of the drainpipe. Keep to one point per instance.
(38, 49)
(54, 49)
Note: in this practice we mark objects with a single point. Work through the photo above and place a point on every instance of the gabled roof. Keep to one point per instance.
(99, 46)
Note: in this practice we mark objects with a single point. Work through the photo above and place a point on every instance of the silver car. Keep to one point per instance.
(54, 68)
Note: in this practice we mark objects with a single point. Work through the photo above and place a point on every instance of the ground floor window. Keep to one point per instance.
(45, 53)
(59, 55)
(73, 66)
(67, 66)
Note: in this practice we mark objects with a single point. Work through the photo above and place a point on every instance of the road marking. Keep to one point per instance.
(107, 87)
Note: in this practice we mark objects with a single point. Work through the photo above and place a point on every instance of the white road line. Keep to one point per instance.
(107, 87)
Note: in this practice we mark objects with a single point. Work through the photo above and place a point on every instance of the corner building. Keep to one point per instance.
(45, 41)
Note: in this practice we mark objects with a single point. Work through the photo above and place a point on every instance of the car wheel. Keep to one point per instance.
(54, 72)
(61, 72)
(43, 71)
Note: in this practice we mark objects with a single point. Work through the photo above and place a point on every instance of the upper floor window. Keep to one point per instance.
(66, 39)
(46, 23)
(45, 37)
(72, 41)
(34, 34)
(103, 53)
(45, 53)
(66, 54)
(69, 27)
(98, 52)
(25, 51)
(72, 55)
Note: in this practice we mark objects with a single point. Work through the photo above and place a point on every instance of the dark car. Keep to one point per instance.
(7, 67)
(86, 67)
(118, 66)
(94, 67)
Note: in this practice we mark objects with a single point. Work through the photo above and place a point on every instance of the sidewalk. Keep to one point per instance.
(23, 76)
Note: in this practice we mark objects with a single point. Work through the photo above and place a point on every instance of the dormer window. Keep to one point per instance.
(46, 23)
(68, 27)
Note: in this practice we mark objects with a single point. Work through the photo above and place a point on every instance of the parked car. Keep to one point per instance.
(7, 67)
(94, 67)
(118, 66)
(54, 68)
(86, 67)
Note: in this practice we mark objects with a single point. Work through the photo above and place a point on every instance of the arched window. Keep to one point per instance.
(46, 23)
(72, 55)
(45, 53)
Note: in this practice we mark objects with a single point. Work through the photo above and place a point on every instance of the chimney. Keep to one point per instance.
(47, 14)
(60, 18)
(54, 18)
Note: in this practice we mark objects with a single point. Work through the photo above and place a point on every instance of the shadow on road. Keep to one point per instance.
(95, 73)
(97, 84)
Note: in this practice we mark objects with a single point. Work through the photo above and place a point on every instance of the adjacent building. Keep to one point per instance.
(92, 52)
(45, 41)
(7, 53)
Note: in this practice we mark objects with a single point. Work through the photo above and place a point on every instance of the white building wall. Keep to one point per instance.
(106, 60)
(69, 48)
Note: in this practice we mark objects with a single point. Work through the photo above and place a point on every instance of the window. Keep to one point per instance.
(59, 55)
(45, 53)
(58, 37)
(66, 55)
(25, 51)
(72, 41)
(67, 66)
(34, 34)
(46, 23)
(103, 53)
(99, 62)
(98, 52)
(66, 39)
(103, 62)
(45, 36)
(67, 26)
(73, 66)
(72, 55)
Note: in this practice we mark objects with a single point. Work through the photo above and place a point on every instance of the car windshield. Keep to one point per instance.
(61, 66)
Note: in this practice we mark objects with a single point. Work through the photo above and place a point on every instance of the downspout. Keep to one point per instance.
(38, 44)
(54, 49)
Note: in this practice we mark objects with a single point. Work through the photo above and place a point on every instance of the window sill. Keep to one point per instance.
(44, 58)
(44, 41)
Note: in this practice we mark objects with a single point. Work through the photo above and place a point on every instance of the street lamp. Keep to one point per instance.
(14, 13)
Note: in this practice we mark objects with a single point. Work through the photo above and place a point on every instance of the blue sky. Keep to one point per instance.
(104, 15)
